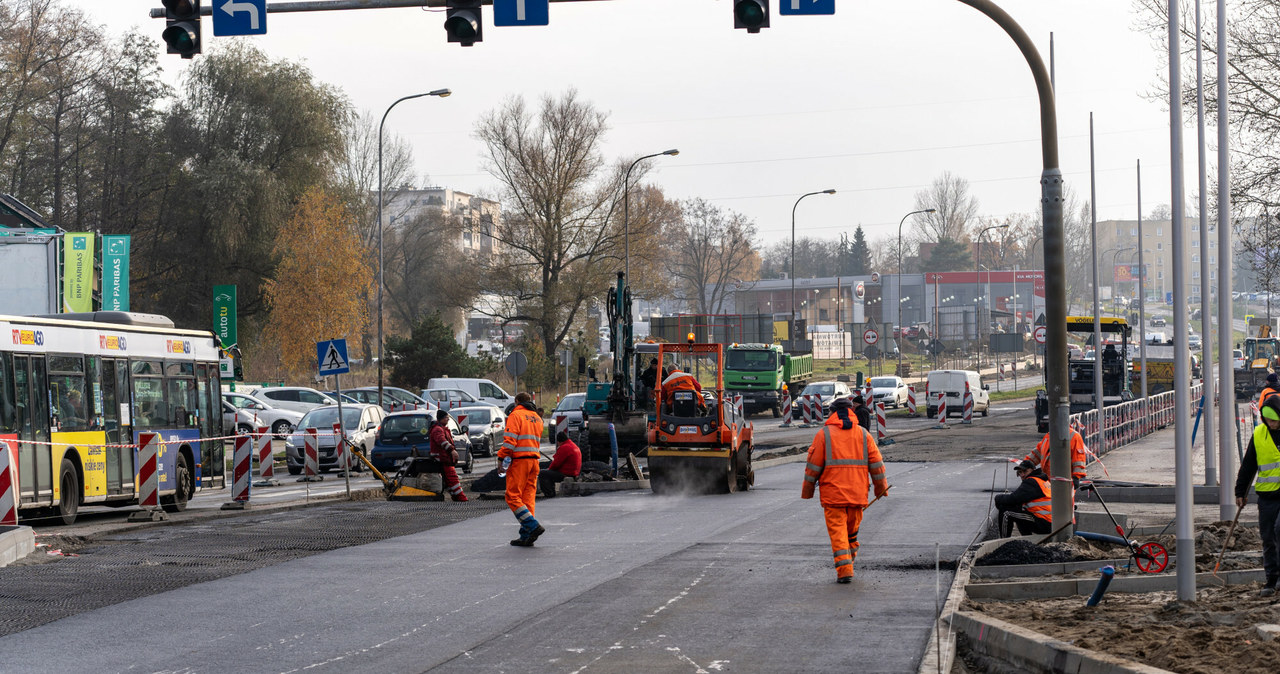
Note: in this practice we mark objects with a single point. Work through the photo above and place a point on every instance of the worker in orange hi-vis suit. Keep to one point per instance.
(1040, 456)
(843, 460)
(519, 456)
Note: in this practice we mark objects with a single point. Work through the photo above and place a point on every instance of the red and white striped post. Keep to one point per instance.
(882, 437)
(562, 426)
(266, 460)
(866, 391)
(942, 411)
(815, 409)
(911, 402)
(310, 457)
(8, 471)
(241, 465)
(786, 408)
(968, 405)
(148, 479)
(340, 450)
(737, 405)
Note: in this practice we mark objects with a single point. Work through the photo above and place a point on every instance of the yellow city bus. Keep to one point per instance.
(76, 391)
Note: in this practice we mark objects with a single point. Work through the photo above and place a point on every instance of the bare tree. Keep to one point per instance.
(424, 269)
(707, 252)
(954, 209)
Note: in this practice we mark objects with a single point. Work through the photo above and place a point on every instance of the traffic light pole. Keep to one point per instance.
(332, 5)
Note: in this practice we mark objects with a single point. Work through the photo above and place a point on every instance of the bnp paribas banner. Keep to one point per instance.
(115, 273)
(77, 272)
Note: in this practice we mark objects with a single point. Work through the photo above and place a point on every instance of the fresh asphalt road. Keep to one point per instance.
(621, 582)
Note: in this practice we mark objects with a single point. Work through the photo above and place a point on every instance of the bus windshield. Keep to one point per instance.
(757, 361)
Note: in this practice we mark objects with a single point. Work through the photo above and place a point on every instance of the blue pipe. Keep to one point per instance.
(613, 449)
(1195, 427)
(1108, 572)
(1102, 538)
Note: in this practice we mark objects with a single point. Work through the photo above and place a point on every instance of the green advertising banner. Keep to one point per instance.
(77, 272)
(115, 273)
(224, 315)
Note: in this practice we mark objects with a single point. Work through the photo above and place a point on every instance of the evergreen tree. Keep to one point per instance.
(950, 255)
(860, 254)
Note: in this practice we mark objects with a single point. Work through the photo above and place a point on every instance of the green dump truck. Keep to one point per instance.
(759, 371)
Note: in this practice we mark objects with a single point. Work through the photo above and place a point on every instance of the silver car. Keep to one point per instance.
(891, 391)
(393, 399)
(359, 425)
(296, 398)
(252, 412)
(826, 392)
(570, 408)
(484, 426)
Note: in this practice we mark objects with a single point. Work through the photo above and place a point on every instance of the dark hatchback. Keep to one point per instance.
(402, 431)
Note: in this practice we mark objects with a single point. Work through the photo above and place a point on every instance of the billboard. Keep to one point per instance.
(29, 275)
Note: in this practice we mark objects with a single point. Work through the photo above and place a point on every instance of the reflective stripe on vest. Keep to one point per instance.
(1043, 506)
(1268, 459)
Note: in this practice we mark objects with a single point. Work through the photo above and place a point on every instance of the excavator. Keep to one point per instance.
(612, 405)
(699, 441)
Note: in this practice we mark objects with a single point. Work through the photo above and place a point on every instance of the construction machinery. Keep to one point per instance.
(418, 478)
(1261, 356)
(699, 441)
(761, 372)
(1114, 352)
(610, 408)
(1160, 368)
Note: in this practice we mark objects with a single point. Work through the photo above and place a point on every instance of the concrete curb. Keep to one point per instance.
(940, 651)
(1034, 652)
(1029, 570)
(1083, 587)
(16, 543)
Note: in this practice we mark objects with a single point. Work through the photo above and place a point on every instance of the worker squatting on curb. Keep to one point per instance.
(1262, 459)
(842, 457)
(443, 450)
(519, 456)
(1029, 506)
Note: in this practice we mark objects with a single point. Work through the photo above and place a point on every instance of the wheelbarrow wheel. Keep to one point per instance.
(1152, 558)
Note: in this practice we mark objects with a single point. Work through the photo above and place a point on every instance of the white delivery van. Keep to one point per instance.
(483, 390)
(951, 382)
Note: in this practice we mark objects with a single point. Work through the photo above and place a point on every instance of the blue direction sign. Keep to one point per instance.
(332, 356)
(806, 7)
(520, 12)
(239, 17)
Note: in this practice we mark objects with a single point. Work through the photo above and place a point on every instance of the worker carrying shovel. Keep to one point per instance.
(1262, 460)
(843, 458)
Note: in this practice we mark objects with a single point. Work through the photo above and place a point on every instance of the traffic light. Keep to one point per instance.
(463, 22)
(751, 14)
(182, 27)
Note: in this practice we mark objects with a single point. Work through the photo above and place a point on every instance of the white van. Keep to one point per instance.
(483, 390)
(952, 383)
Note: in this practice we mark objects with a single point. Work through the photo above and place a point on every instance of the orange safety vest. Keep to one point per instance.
(679, 381)
(523, 435)
(841, 462)
(1266, 393)
(1043, 506)
(1040, 455)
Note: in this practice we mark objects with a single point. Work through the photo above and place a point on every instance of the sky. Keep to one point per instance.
(876, 101)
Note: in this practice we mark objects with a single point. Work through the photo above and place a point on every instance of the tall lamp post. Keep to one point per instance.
(793, 257)
(626, 208)
(977, 288)
(442, 93)
(898, 318)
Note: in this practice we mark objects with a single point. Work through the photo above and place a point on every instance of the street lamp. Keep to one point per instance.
(626, 193)
(977, 319)
(898, 318)
(793, 257)
(442, 93)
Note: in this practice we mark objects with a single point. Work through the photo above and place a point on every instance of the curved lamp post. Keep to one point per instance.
(626, 193)
(442, 93)
(898, 318)
(793, 257)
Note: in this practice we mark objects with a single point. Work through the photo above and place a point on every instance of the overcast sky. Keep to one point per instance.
(876, 101)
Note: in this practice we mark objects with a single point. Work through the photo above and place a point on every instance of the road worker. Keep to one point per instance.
(519, 456)
(1040, 456)
(566, 463)
(443, 450)
(861, 410)
(843, 459)
(1271, 389)
(680, 381)
(1029, 506)
(1262, 460)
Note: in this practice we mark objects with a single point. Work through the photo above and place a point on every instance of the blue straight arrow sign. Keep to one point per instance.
(239, 17)
(807, 7)
(520, 12)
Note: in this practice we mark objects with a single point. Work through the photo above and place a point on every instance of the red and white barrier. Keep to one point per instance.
(241, 465)
(1000, 373)
(562, 425)
(310, 457)
(148, 479)
(866, 391)
(8, 486)
(942, 411)
(968, 405)
(266, 460)
(911, 402)
(815, 409)
(737, 405)
(340, 449)
(786, 408)
(882, 437)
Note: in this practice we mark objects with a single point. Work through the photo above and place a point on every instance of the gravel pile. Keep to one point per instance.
(1025, 552)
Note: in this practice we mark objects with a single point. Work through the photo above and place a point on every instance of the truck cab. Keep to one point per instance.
(759, 373)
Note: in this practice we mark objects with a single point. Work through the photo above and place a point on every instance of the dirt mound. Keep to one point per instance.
(1020, 551)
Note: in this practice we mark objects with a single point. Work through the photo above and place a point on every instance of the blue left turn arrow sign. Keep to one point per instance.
(239, 17)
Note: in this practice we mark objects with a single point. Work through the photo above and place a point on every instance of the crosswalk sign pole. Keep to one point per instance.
(342, 436)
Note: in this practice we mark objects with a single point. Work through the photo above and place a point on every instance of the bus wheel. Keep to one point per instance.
(69, 483)
(186, 486)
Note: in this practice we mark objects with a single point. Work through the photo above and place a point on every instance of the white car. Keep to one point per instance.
(359, 425)
(252, 412)
(451, 398)
(891, 391)
(484, 424)
(1237, 357)
(296, 398)
(483, 390)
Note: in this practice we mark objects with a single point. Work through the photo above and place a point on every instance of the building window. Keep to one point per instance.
(1195, 243)
(1195, 228)
(1212, 260)
(1212, 243)
(1196, 274)
(1159, 231)
(1159, 275)
(1213, 274)
(1195, 290)
(1133, 231)
(1160, 262)
(1159, 245)
(1195, 258)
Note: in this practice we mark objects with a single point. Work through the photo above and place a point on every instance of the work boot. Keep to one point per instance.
(844, 580)
(1267, 591)
(533, 535)
(522, 542)
(461, 498)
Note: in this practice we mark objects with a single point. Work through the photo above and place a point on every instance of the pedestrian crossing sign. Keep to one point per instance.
(332, 357)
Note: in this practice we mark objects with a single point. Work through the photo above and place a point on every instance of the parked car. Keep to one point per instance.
(296, 398)
(258, 412)
(393, 399)
(826, 391)
(891, 391)
(401, 432)
(483, 390)
(450, 398)
(570, 407)
(240, 422)
(1237, 358)
(359, 423)
(1195, 342)
(952, 383)
(485, 425)
(347, 399)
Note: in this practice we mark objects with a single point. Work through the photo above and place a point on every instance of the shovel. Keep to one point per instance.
(873, 501)
(1227, 542)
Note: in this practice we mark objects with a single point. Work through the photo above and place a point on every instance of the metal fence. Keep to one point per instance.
(1127, 422)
